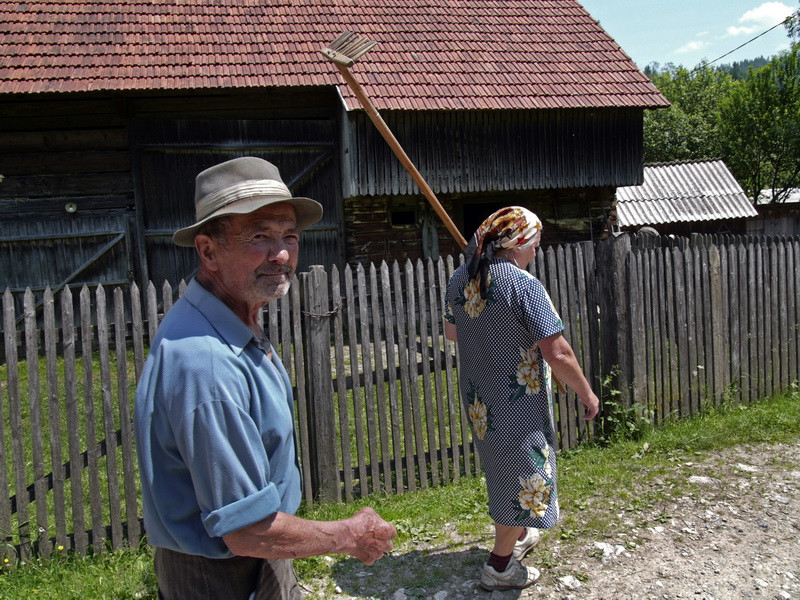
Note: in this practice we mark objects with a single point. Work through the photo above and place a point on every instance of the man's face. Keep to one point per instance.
(259, 256)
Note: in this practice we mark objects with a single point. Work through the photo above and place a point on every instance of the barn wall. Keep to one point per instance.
(493, 151)
(71, 195)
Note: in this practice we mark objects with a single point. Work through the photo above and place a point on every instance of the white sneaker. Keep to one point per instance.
(516, 576)
(523, 546)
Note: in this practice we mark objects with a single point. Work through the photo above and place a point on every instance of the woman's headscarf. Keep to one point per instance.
(509, 227)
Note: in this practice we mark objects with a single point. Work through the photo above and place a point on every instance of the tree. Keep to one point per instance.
(687, 129)
(759, 126)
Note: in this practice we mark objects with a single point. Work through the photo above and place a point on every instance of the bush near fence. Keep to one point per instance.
(661, 326)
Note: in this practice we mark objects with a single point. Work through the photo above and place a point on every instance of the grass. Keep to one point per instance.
(590, 473)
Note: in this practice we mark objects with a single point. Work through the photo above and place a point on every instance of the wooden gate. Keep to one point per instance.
(169, 154)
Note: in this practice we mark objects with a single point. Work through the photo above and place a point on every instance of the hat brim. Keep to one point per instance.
(307, 213)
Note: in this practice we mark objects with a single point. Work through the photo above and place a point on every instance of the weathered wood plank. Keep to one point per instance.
(35, 403)
(18, 459)
(453, 395)
(435, 301)
(355, 368)
(405, 385)
(15, 416)
(152, 312)
(793, 324)
(137, 329)
(718, 332)
(341, 385)
(753, 302)
(325, 458)
(73, 423)
(369, 386)
(392, 362)
(380, 387)
(114, 504)
(735, 344)
(762, 294)
(778, 277)
(126, 423)
(559, 400)
(582, 327)
(684, 349)
(425, 355)
(300, 379)
(566, 282)
(672, 382)
(413, 373)
(92, 446)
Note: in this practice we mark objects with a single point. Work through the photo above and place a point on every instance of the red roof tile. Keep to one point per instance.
(445, 54)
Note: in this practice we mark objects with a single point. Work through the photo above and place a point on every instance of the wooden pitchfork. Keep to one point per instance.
(344, 51)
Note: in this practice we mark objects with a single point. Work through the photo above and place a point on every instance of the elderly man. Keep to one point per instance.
(214, 413)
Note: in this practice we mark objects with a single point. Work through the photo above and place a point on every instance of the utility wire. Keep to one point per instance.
(705, 64)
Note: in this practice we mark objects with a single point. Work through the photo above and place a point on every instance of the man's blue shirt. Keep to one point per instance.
(214, 429)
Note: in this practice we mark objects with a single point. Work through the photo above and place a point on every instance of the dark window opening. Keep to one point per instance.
(400, 218)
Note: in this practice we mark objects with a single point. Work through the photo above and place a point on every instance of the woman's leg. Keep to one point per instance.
(504, 538)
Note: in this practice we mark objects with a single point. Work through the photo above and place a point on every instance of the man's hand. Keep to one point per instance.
(372, 536)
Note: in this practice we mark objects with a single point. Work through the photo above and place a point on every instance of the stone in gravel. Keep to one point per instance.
(701, 479)
(569, 582)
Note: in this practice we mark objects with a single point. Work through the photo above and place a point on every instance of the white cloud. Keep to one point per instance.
(759, 19)
(692, 47)
(733, 31)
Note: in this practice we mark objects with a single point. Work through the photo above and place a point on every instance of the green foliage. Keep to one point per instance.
(746, 114)
(619, 422)
(687, 129)
(759, 124)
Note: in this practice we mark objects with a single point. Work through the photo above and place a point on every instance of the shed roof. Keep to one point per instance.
(680, 192)
(431, 54)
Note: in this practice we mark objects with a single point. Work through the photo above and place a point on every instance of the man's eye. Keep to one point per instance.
(292, 239)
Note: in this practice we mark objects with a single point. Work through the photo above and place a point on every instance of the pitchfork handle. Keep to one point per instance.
(400, 153)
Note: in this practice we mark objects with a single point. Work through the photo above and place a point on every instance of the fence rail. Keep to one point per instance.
(669, 325)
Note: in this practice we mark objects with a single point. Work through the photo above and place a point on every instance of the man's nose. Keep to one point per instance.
(279, 254)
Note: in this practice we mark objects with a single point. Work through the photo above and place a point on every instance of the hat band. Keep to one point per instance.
(240, 191)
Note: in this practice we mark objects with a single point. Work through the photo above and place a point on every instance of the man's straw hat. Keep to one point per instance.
(241, 186)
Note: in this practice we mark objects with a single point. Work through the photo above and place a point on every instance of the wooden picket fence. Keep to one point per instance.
(668, 326)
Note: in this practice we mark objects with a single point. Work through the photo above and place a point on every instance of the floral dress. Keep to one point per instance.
(506, 389)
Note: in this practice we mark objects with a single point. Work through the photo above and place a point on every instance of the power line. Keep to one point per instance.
(784, 22)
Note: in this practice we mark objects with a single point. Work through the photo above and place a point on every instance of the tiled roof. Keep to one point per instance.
(431, 54)
(679, 192)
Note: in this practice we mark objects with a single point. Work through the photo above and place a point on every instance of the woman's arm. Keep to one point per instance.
(559, 355)
(450, 331)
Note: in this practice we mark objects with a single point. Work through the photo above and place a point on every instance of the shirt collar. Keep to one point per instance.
(230, 327)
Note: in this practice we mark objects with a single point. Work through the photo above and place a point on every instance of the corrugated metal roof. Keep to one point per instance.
(445, 54)
(679, 192)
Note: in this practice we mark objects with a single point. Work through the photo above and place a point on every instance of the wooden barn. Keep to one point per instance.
(108, 109)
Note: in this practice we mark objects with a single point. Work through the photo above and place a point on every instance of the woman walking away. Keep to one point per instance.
(509, 338)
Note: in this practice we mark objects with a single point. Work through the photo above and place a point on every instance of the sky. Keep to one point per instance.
(689, 32)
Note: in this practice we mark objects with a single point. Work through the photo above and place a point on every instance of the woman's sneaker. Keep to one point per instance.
(523, 546)
(515, 576)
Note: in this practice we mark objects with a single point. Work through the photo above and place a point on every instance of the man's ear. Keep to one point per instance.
(207, 249)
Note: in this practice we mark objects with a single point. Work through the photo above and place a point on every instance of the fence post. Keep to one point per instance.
(321, 415)
(614, 304)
